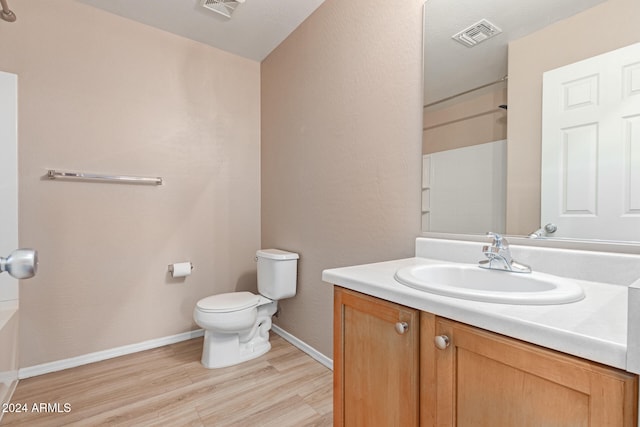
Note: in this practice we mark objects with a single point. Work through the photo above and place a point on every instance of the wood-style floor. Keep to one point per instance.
(168, 386)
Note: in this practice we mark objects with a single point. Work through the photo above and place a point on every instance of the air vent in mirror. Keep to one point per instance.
(477, 33)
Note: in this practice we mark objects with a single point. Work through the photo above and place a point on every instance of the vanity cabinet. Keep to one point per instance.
(473, 377)
(437, 372)
(376, 362)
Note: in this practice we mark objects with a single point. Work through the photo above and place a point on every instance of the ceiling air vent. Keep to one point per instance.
(223, 7)
(477, 33)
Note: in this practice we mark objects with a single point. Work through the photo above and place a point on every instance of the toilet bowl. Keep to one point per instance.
(237, 324)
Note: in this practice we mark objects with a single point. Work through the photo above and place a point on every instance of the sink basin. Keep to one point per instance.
(472, 282)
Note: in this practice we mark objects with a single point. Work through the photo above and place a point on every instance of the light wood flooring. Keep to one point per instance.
(168, 386)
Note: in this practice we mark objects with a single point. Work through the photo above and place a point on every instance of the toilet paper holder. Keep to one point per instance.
(170, 268)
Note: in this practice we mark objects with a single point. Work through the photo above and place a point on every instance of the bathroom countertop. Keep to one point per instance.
(594, 328)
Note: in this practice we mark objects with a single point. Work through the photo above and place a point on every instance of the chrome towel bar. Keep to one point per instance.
(54, 174)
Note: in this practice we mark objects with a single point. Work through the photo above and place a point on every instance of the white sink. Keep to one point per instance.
(472, 282)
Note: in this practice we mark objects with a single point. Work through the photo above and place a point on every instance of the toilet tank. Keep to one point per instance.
(277, 272)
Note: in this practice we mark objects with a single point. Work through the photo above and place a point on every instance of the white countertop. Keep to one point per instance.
(594, 328)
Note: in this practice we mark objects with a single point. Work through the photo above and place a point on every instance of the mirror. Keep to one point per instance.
(482, 133)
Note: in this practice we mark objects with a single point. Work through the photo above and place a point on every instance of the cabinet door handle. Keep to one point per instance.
(442, 341)
(402, 327)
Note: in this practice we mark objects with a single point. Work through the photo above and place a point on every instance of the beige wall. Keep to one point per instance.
(99, 93)
(341, 148)
(609, 26)
(467, 120)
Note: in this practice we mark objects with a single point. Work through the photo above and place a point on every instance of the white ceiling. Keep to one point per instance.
(259, 26)
(451, 68)
(256, 27)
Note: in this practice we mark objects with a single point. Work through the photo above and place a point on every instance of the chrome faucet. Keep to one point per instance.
(499, 256)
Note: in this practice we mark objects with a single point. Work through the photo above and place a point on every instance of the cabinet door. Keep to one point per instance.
(375, 362)
(484, 379)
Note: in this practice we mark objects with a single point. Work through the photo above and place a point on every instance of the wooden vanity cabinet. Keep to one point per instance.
(389, 377)
(485, 379)
(376, 362)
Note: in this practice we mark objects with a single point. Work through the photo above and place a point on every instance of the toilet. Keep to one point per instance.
(237, 324)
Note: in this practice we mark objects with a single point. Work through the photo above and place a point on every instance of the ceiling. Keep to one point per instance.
(451, 68)
(256, 27)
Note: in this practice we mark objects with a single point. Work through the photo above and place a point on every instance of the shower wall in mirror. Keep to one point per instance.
(533, 37)
(475, 190)
(464, 188)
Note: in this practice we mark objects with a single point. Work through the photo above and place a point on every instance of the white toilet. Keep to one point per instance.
(237, 324)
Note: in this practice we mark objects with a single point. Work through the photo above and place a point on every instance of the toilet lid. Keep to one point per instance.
(232, 301)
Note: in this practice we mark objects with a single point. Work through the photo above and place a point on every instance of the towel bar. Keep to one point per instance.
(54, 174)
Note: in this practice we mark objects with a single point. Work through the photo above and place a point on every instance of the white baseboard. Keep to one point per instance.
(98, 356)
(315, 354)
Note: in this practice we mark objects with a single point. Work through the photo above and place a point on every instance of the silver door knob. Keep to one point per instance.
(21, 263)
(442, 341)
(402, 327)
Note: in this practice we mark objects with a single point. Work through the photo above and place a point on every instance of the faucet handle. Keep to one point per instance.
(489, 250)
(498, 240)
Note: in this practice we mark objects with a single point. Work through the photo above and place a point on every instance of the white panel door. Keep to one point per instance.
(8, 180)
(8, 233)
(591, 147)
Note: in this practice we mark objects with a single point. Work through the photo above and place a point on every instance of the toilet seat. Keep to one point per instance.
(224, 303)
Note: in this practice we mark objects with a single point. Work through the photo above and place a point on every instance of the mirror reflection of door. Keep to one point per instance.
(591, 147)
